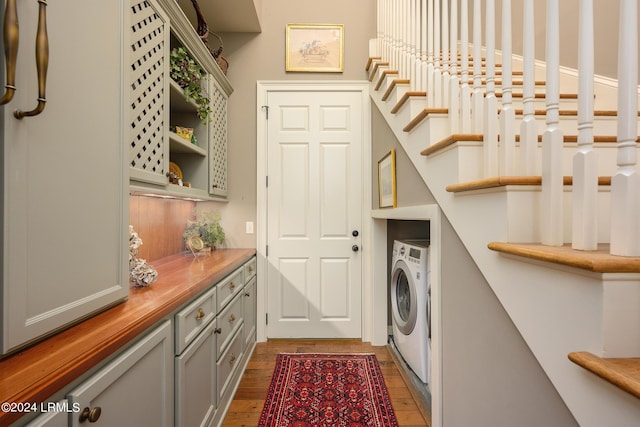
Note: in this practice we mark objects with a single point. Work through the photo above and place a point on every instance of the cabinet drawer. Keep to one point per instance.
(228, 362)
(135, 389)
(194, 318)
(229, 320)
(249, 269)
(229, 287)
(249, 311)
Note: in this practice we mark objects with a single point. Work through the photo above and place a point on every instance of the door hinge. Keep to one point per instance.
(266, 109)
(266, 181)
(267, 250)
(266, 318)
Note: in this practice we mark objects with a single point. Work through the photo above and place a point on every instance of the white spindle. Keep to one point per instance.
(404, 46)
(490, 113)
(431, 85)
(625, 184)
(585, 161)
(454, 84)
(465, 89)
(477, 96)
(528, 127)
(423, 46)
(411, 13)
(552, 138)
(446, 58)
(507, 113)
(416, 45)
(437, 55)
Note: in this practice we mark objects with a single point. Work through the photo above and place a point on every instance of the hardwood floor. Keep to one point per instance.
(247, 403)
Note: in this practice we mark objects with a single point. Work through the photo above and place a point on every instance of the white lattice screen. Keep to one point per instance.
(149, 45)
(218, 143)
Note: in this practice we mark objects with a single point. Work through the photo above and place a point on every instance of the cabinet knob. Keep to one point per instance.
(232, 318)
(217, 331)
(232, 359)
(247, 294)
(232, 285)
(90, 414)
(200, 314)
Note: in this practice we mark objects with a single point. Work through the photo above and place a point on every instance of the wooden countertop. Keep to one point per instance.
(39, 371)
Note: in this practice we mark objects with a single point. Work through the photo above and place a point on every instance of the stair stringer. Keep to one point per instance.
(556, 309)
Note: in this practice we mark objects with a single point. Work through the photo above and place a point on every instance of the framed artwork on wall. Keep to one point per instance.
(315, 48)
(387, 180)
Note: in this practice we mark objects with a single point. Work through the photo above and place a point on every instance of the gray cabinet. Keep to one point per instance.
(135, 389)
(64, 180)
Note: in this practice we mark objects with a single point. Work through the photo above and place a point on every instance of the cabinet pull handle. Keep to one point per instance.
(217, 331)
(232, 285)
(42, 63)
(92, 415)
(200, 314)
(247, 294)
(11, 37)
(232, 318)
(233, 359)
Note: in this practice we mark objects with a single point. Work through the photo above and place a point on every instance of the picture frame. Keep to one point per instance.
(387, 180)
(315, 48)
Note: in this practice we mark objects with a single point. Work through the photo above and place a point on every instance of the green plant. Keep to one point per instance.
(207, 227)
(188, 74)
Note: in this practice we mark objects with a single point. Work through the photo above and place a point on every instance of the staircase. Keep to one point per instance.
(536, 171)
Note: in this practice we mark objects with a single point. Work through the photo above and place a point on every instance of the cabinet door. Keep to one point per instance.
(149, 81)
(250, 312)
(65, 178)
(136, 389)
(196, 380)
(218, 142)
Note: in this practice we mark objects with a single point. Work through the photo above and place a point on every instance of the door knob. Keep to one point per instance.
(355, 248)
(355, 233)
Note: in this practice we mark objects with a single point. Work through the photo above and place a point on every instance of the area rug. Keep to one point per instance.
(327, 390)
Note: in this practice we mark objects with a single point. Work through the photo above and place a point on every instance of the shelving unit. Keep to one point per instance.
(161, 103)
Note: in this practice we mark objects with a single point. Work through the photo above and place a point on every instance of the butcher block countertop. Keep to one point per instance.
(39, 371)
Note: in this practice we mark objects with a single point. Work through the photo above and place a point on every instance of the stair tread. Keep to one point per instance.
(405, 98)
(478, 137)
(370, 61)
(503, 181)
(422, 115)
(621, 372)
(384, 75)
(392, 85)
(598, 261)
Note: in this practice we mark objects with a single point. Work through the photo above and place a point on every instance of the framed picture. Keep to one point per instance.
(315, 48)
(387, 180)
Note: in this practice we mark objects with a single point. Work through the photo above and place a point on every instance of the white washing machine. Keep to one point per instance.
(411, 304)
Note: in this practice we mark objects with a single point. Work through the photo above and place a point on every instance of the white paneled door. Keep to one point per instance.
(314, 214)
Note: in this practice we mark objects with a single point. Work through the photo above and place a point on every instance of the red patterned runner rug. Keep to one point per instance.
(327, 390)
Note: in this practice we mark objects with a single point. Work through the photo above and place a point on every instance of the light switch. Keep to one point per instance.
(249, 227)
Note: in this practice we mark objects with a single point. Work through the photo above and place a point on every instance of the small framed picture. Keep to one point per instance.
(387, 180)
(316, 48)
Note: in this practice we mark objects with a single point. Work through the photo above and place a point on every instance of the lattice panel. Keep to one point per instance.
(218, 143)
(149, 53)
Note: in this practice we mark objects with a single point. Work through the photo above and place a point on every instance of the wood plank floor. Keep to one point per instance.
(247, 403)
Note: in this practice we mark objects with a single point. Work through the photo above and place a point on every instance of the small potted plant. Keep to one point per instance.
(207, 227)
(188, 74)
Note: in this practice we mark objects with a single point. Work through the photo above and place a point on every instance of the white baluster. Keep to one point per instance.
(585, 161)
(417, 62)
(431, 85)
(625, 184)
(424, 47)
(446, 58)
(465, 89)
(528, 127)
(437, 89)
(454, 84)
(477, 96)
(507, 113)
(490, 113)
(552, 138)
(407, 39)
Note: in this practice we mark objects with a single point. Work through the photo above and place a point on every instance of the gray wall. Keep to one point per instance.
(254, 57)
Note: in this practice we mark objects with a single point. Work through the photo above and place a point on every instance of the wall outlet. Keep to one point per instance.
(249, 227)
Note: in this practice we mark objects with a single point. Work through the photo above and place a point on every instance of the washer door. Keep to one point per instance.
(403, 298)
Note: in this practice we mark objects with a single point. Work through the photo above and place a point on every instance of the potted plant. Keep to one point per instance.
(207, 227)
(188, 74)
